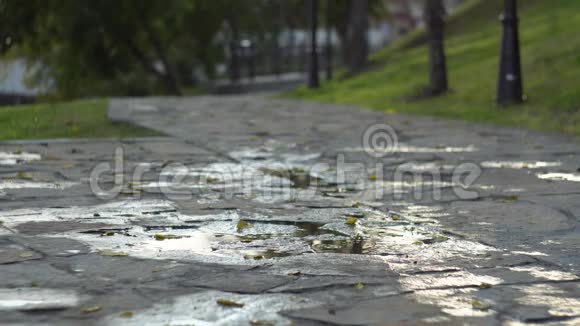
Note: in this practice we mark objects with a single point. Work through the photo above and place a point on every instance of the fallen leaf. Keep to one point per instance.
(34, 284)
(127, 314)
(111, 253)
(229, 303)
(89, 310)
(212, 180)
(26, 254)
(133, 184)
(440, 238)
(242, 225)
(161, 237)
(372, 177)
(359, 285)
(509, 198)
(478, 305)
(351, 221)
(484, 285)
(24, 175)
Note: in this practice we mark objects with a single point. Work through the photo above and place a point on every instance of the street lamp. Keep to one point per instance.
(313, 81)
(328, 40)
(509, 88)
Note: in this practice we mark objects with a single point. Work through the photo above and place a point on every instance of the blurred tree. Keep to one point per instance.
(90, 47)
(434, 18)
(359, 24)
(345, 14)
(129, 47)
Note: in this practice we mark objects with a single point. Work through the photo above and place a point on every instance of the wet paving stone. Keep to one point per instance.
(240, 217)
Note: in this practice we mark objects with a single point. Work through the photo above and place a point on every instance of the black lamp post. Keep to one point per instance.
(313, 81)
(509, 88)
(328, 40)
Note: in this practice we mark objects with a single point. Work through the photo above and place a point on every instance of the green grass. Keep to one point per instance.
(77, 119)
(550, 63)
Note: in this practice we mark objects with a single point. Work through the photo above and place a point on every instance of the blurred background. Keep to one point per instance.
(435, 57)
(71, 49)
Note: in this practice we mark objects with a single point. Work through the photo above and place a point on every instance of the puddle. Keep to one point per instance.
(37, 299)
(202, 309)
(122, 212)
(17, 157)
(543, 273)
(519, 164)
(401, 148)
(456, 302)
(550, 297)
(559, 176)
(153, 229)
(263, 174)
(23, 184)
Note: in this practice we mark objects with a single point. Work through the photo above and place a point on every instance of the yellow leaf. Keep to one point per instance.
(509, 198)
(359, 285)
(161, 237)
(479, 305)
(26, 254)
(126, 314)
(484, 285)
(24, 175)
(351, 221)
(111, 253)
(242, 225)
(89, 310)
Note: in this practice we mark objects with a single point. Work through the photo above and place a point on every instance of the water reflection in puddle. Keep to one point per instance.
(560, 176)
(22, 184)
(17, 157)
(519, 164)
(401, 148)
(37, 299)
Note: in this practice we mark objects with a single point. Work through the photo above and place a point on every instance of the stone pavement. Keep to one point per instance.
(257, 211)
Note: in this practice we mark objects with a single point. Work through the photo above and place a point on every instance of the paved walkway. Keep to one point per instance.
(256, 211)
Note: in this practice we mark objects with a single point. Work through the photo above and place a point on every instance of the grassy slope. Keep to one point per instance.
(551, 66)
(78, 119)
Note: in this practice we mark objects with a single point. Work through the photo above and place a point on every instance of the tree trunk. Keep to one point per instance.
(359, 48)
(234, 64)
(434, 17)
(342, 29)
(169, 75)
